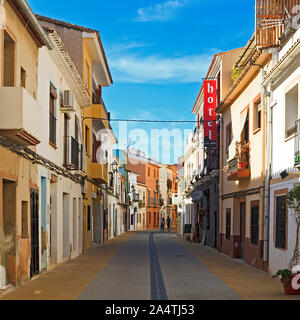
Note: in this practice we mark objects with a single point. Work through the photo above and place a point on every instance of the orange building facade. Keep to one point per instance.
(148, 175)
(173, 190)
(152, 196)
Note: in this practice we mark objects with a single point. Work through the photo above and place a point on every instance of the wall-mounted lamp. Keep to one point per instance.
(284, 174)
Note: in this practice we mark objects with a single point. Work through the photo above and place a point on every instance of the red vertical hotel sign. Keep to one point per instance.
(210, 105)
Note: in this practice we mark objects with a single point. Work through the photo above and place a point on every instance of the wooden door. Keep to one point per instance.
(35, 259)
(242, 228)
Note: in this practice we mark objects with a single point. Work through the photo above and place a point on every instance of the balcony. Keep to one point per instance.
(99, 172)
(74, 155)
(20, 116)
(153, 202)
(142, 204)
(239, 167)
(169, 202)
(135, 197)
(98, 111)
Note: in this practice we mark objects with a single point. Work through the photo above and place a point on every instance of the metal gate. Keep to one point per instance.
(34, 266)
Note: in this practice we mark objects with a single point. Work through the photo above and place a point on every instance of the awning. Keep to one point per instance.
(237, 135)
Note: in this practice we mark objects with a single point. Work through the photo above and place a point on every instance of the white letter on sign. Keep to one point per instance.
(295, 284)
(210, 89)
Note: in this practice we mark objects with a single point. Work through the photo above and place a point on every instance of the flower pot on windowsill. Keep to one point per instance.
(242, 165)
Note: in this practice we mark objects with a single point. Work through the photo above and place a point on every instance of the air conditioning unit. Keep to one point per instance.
(68, 103)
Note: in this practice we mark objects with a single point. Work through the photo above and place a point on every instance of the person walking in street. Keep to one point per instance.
(169, 224)
(162, 225)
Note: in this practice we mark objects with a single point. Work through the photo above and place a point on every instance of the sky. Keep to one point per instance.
(158, 53)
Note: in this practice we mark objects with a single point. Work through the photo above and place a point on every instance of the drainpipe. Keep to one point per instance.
(267, 108)
(221, 213)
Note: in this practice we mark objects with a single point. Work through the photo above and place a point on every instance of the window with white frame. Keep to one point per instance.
(291, 111)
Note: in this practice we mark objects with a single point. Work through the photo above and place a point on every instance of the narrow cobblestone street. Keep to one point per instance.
(151, 266)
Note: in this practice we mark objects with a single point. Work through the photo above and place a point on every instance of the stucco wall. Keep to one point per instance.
(280, 258)
(282, 148)
(257, 151)
(26, 50)
(50, 73)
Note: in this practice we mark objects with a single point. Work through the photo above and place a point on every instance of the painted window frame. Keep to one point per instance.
(228, 226)
(257, 119)
(228, 142)
(53, 115)
(292, 131)
(254, 204)
(280, 193)
(14, 38)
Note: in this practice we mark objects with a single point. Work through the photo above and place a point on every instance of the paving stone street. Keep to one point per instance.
(151, 266)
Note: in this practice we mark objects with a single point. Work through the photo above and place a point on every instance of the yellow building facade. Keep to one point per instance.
(20, 41)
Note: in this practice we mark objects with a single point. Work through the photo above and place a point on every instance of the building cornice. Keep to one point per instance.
(68, 69)
(251, 70)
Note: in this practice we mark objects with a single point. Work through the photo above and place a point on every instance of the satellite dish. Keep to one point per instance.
(288, 21)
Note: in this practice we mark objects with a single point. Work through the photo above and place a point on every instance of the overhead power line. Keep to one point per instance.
(149, 121)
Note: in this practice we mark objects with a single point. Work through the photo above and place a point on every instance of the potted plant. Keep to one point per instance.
(243, 156)
(286, 275)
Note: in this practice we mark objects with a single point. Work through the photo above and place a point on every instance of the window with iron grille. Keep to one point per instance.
(281, 221)
(228, 224)
(52, 115)
(254, 223)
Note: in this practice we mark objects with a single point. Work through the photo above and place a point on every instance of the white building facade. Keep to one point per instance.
(282, 86)
(61, 94)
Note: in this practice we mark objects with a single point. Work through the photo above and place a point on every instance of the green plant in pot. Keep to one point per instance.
(286, 275)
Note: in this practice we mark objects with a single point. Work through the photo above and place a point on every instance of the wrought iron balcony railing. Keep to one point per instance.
(74, 155)
(71, 153)
(239, 167)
